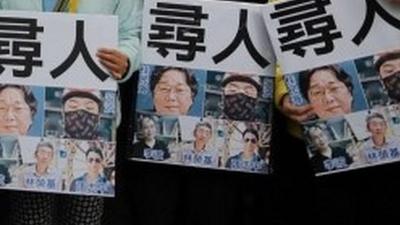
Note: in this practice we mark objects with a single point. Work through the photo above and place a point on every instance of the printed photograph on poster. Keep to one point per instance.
(380, 77)
(21, 109)
(153, 137)
(93, 169)
(247, 147)
(331, 90)
(9, 158)
(186, 116)
(80, 113)
(61, 166)
(359, 139)
(330, 145)
(376, 134)
(373, 87)
(39, 169)
(206, 143)
(387, 65)
(394, 117)
(166, 90)
(200, 143)
(237, 96)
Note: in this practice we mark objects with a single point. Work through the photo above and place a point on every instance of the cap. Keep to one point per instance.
(381, 58)
(252, 79)
(93, 94)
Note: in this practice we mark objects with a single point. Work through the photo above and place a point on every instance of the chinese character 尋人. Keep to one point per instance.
(242, 36)
(177, 27)
(18, 46)
(374, 8)
(79, 48)
(305, 23)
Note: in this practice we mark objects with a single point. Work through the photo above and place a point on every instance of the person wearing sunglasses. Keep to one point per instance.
(93, 181)
(248, 159)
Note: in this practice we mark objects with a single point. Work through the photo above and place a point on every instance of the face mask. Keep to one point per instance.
(240, 107)
(81, 124)
(392, 83)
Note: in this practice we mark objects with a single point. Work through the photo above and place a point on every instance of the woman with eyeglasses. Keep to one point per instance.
(248, 159)
(93, 181)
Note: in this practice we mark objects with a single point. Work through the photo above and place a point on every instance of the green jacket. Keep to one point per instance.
(129, 14)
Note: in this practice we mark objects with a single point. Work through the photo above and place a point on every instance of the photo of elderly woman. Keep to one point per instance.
(21, 110)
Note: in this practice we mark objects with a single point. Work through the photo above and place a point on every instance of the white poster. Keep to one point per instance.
(341, 60)
(57, 103)
(205, 89)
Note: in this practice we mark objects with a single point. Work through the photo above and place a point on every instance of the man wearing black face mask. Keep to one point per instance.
(240, 96)
(388, 66)
(81, 112)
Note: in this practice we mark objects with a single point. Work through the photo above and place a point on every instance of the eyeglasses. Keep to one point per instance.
(180, 90)
(253, 140)
(15, 109)
(96, 160)
(320, 92)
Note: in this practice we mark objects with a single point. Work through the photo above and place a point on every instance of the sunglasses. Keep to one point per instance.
(96, 160)
(253, 140)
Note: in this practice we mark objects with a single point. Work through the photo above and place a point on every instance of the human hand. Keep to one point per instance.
(395, 2)
(114, 60)
(294, 112)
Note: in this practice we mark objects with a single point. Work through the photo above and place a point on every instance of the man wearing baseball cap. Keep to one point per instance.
(388, 66)
(81, 113)
(240, 92)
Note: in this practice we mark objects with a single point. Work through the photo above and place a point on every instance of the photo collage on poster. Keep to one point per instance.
(356, 120)
(200, 118)
(57, 139)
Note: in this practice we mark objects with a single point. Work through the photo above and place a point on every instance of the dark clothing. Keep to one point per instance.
(158, 152)
(255, 164)
(100, 186)
(340, 160)
(47, 209)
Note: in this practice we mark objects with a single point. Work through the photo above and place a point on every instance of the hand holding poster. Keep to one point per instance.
(205, 93)
(57, 104)
(341, 59)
